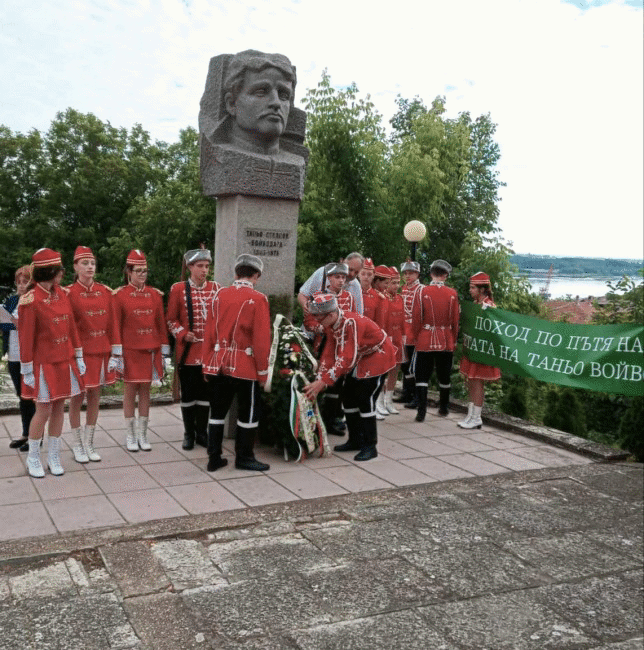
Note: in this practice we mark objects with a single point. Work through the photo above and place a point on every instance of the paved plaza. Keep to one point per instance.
(126, 488)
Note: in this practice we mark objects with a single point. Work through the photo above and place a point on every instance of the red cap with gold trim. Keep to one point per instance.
(368, 264)
(46, 257)
(480, 278)
(136, 258)
(382, 271)
(394, 272)
(83, 252)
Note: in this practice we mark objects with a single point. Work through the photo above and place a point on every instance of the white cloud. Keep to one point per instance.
(563, 84)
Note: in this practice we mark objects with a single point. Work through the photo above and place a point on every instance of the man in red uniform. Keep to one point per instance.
(235, 359)
(435, 328)
(410, 272)
(188, 306)
(359, 350)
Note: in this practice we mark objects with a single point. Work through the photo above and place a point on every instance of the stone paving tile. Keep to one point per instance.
(258, 490)
(115, 457)
(17, 490)
(495, 440)
(75, 484)
(104, 438)
(462, 443)
(146, 505)
(12, 466)
(246, 559)
(187, 563)
(168, 432)
(507, 459)
(407, 628)
(307, 484)
(197, 452)
(393, 433)
(122, 479)
(162, 452)
(511, 621)
(521, 441)
(199, 498)
(394, 472)
(436, 469)
(353, 479)
(571, 556)
(474, 464)
(5, 450)
(429, 447)
(182, 472)
(626, 536)
(546, 456)
(25, 520)
(83, 512)
(396, 451)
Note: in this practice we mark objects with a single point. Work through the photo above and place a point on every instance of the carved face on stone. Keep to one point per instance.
(261, 107)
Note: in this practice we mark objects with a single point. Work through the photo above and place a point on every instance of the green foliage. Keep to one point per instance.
(564, 412)
(631, 428)
(625, 303)
(515, 400)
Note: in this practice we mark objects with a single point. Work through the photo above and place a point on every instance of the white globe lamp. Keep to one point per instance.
(414, 232)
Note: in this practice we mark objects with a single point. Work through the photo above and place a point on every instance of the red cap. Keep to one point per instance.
(480, 278)
(46, 257)
(368, 264)
(383, 272)
(83, 252)
(394, 272)
(136, 258)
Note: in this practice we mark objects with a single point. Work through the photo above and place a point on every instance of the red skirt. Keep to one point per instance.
(473, 370)
(54, 381)
(142, 366)
(96, 374)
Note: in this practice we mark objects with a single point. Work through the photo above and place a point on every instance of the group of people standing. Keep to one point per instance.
(68, 342)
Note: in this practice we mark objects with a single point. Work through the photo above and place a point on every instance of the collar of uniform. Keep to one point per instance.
(48, 292)
(137, 288)
(414, 283)
(88, 288)
(436, 283)
(242, 283)
(197, 286)
(339, 321)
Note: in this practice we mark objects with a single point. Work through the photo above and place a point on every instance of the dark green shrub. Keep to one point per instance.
(515, 401)
(631, 429)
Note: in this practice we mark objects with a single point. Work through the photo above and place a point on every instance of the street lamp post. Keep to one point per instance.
(414, 232)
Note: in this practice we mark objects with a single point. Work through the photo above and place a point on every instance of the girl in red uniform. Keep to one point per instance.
(51, 357)
(395, 328)
(140, 327)
(476, 374)
(381, 279)
(92, 306)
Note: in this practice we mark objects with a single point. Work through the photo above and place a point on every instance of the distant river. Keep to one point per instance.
(562, 286)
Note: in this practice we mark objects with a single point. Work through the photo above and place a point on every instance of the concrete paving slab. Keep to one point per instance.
(25, 520)
(436, 468)
(508, 459)
(19, 489)
(353, 478)
(122, 479)
(181, 472)
(307, 483)
(75, 484)
(146, 505)
(83, 512)
(258, 490)
(395, 472)
(199, 498)
(473, 464)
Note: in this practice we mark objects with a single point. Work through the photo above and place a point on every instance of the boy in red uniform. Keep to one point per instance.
(395, 328)
(140, 327)
(410, 272)
(235, 359)
(381, 279)
(92, 307)
(51, 357)
(373, 301)
(435, 328)
(359, 350)
(188, 307)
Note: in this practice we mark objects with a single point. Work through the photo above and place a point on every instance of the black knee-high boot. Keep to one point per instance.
(421, 398)
(202, 413)
(244, 455)
(215, 438)
(188, 416)
(370, 439)
(354, 425)
(443, 401)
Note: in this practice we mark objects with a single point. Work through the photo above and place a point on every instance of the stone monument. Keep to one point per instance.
(253, 162)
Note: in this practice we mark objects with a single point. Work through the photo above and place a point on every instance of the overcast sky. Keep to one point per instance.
(561, 78)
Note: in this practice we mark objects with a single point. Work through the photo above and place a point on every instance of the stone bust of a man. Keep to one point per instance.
(251, 134)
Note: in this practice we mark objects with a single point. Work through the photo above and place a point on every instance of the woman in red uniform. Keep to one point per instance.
(92, 306)
(476, 374)
(140, 327)
(381, 279)
(396, 329)
(51, 357)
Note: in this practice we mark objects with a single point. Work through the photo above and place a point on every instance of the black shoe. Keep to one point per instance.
(202, 439)
(251, 464)
(188, 442)
(443, 410)
(366, 453)
(348, 446)
(339, 425)
(25, 447)
(420, 416)
(19, 442)
(412, 405)
(216, 462)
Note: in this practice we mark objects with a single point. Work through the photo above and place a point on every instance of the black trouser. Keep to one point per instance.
(359, 399)
(195, 400)
(332, 404)
(424, 364)
(405, 367)
(223, 389)
(27, 406)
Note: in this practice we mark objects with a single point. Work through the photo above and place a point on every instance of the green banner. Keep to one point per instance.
(605, 358)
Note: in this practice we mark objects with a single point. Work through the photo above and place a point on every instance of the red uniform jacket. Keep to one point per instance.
(355, 341)
(396, 324)
(47, 331)
(238, 333)
(177, 317)
(375, 307)
(93, 313)
(346, 302)
(435, 318)
(410, 296)
(138, 318)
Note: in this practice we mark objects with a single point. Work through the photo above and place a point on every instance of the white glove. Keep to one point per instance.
(29, 379)
(167, 364)
(81, 365)
(115, 364)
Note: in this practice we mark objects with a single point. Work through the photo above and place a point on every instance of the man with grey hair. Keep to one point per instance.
(354, 262)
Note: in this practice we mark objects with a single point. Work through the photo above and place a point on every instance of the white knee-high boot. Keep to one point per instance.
(53, 456)
(467, 418)
(80, 455)
(142, 434)
(131, 441)
(475, 421)
(34, 466)
(389, 404)
(88, 443)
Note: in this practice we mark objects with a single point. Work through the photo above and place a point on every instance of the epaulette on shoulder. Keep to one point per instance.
(157, 290)
(108, 288)
(65, 290)
(115, 291)
(27, 298)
